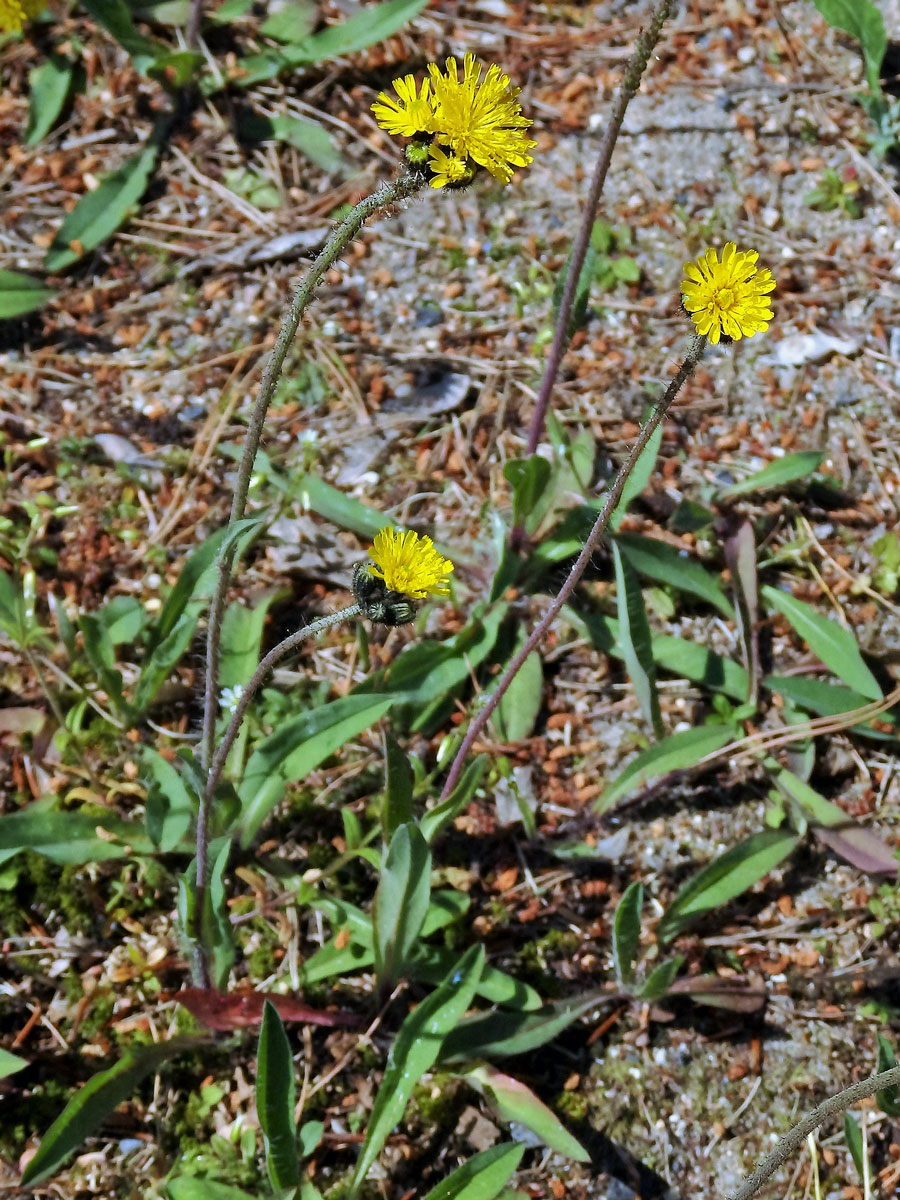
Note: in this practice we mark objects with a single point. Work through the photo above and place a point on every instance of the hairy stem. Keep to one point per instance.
(660, 409)
(341, 236)
(271, 660)
(631, 81)
(797, 1136)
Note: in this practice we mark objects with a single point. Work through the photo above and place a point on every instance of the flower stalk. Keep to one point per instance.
(631, 81)
(407, 185)
(662, 406)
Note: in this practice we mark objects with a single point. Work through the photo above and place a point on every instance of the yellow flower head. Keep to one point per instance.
(408, 115)
(480, 118)
(410, 564)
(447, 168)
(729, 297)
(14, 13)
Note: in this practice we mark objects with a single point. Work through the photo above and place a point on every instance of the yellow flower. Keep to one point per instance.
(447, 168)
(480, 119)
(410, 564)
(14, 13)
(729, 297)
(410, 114)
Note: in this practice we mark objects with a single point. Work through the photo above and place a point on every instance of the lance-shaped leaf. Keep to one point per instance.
(726, 877)
(415, 1051)
(834, 645)
(740, 554)
(831, 825)
(481, 1177)
(634, 638)
(627, 932)
(401, 902)
(517, 1104)
(675, 753)
(93, 1103)
(275, 1099)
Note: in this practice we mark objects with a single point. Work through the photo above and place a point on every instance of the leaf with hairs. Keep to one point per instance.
(726, 877)
(777, 474)
(516, 1103)
(627, 932)
(677, 752)
(92, 1104)
(829, 641)
(415, 1051)
(634, 638)
(401, 902)
(275, 1099)
(481, 1177)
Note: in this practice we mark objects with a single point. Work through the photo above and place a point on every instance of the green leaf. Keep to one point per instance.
(293, 23)
(529, 479)
(634, 637)
(367, 28)
(853, 1134)
(520, 705)
(311, 139)
(70, 837)
(660, 979)
(514, 1102)
(415, 1051)
(401, 902)
(239, 654)
(627, 933)
(700, 665)
(10, 1063)
(430, 964)
(639, 477)
(862, 20)
(658, 560)
(194, 1187)
(20, 294)
(196, 576)
(888, 1100)
(828, 700)
(854, 842)
(121, 620)
(164, 657)
(115, 17)
(170, 807)
(98, 214)
(674, 753)
(778, 474)
(49, 86)
(726, 877)
(740, 555)
(436, 819)
(275, 1099)
(398, 788)
(684, 658)
(346, 511)
(298, 747)
(830, 642)
(481, 1177)
(582, 289)
(504, 1034)
(93, 1103)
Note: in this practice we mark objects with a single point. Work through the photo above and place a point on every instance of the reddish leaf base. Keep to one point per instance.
(237, 1010)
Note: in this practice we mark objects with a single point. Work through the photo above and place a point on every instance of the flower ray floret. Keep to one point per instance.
(410, 564)
(411, 113)
(474, 121)
(728, 298)
(14, 13)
